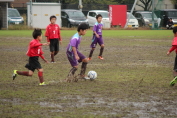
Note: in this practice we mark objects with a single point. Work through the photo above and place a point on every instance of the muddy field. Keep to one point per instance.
(133, 80)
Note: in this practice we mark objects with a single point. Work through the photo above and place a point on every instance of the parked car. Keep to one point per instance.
(72, 17)
(133, 22)
(145, 19)
(14, 17)
(91, 16)
(166, 14)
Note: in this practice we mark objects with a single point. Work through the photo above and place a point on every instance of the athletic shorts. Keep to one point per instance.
(175, 64)
(54, 45)
(33, 64)
(96, 40)
(73, 61)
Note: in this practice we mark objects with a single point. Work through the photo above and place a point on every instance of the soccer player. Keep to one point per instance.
(34, 52)
(53, 37)
(174, 47)
(73, 54)
(97, 37)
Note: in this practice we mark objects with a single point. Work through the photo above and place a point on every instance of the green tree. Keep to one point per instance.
(174, 1)
(145, 4)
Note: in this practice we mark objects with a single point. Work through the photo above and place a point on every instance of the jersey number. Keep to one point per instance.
(38, 51)
(53, 32)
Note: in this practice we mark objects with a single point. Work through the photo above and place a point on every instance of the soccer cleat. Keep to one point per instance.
(172, 83)
(82, 77)
(89, 58)
(100, 57)
(53, 62)
(42, 84)
(14, 74)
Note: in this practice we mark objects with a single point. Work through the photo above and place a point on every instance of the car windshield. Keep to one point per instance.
(77, 14)
(104, 14)
(172, 14)
(13, 13)
(130, 15)
(148, 15)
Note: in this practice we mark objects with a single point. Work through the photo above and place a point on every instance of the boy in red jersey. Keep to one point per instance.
(174, 47)
(53, 37)
(34, 52)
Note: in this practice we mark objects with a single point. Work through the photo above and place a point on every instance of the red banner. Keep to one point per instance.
(118, 15)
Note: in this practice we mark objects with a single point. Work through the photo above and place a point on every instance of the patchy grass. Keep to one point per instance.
(133, 80)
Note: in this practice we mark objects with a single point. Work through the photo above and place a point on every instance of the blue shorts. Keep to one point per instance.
(96, 40)
(73, 61)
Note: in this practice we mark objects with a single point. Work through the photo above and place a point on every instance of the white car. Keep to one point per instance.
(91, 16)
(133, 22)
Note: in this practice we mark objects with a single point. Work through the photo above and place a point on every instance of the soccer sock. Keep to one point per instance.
(72, 71)
(52, 57)
(91, 53)
(55, 53)
(101, 51)
(24, 73)
(83, 68)
(40, 75)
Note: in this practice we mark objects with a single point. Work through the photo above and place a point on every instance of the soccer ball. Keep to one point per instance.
(92, 75)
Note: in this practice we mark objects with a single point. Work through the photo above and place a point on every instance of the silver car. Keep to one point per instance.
(145, 19)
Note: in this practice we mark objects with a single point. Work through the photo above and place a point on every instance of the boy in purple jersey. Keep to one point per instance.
(97, 37)
(74, 56)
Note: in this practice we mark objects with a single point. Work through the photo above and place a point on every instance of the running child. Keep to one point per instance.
(97, 37)
(53, 37)
(174, 47)
(34, 52)
(73, 54)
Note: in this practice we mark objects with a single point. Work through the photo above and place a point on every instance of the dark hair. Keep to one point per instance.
(82, 26)
(170, 18)
(53, 16)
(36, 33)
(99, 15)
(175, 30)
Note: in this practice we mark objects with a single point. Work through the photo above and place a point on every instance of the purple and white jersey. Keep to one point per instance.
(74, 42)
(98, 28)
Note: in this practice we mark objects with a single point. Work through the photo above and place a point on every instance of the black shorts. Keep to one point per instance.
(33, 63)
(175, 64)
(54, 45)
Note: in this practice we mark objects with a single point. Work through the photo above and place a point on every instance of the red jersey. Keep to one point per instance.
(53, 32)
(34, 49)
(174, 45)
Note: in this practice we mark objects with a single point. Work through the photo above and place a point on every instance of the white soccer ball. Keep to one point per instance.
(92, 75)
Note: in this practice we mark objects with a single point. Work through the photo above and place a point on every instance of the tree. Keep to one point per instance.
(145, 4)
(174, 1)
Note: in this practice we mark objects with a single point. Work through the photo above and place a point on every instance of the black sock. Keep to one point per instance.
(72, 71)
(101, 51)
(91, 53)
(83, 68)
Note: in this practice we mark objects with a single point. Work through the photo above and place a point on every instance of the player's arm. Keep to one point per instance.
(172, 49)
(42, 57)
(47, 35)
(59, 36)
(75, 53)
(94, 31)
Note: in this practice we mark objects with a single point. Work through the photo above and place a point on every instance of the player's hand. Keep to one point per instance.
(168, 53)
(77, 57)
(97, 36)
(45, 44)
(60, 42)
(46, 61)
(48, 43)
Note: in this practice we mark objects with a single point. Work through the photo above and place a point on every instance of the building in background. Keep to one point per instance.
(4, 13)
